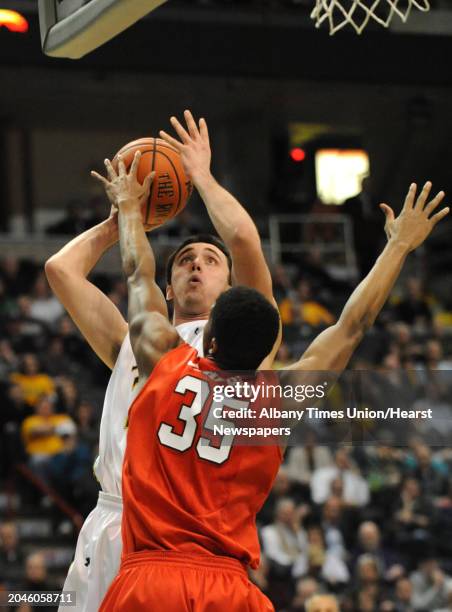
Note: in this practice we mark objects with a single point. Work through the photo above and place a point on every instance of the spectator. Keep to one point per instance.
(356, 490)
(284, 541)
(41, 434)
(282, 487)
(403, 595)
(68, 468)
(68, 395)
(11, 555)
(32, 380)
(385, 470)
(306, 459)
(27, 334)
(414, 308)
(74, 346)
(55, 360)
(36, 579)
(7, 303)
(281, 283)
(44, 305)
(303, 308)
(368, 574)
(304, 590)
(321, 561)
(88, 430)
(9, 361)
(431, 472)
(322, 603)
(369, 543)
(412, 518)
(332, 514)
(11, 276)
(431, 586)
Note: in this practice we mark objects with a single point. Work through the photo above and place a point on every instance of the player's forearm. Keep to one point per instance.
(137, 258)
(228, 216)
(82, 253)
(368, 299)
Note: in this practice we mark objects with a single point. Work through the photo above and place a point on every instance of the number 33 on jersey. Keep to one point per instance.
(184, 488)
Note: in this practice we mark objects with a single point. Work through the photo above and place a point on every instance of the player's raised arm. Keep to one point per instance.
(97, 318)
(233, 224)
(332, 349)
(151, 334)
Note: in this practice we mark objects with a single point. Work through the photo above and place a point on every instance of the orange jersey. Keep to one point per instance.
(184, 491)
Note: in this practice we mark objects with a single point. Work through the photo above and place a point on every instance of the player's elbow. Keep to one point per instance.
(54, 269)
(245, 235)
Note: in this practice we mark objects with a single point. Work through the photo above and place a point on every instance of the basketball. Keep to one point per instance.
(170, 189)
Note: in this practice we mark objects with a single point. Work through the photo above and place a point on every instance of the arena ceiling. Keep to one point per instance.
(259, 39)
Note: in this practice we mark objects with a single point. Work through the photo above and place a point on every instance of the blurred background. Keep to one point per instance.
(310, 132)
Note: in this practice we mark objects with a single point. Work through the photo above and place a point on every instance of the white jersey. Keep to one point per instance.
(118, 397)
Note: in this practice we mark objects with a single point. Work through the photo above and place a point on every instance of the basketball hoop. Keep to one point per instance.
(358, 13)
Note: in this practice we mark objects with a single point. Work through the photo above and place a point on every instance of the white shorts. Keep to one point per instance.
(97, 555)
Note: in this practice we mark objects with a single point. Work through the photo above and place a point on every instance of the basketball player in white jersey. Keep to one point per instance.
(198, 273)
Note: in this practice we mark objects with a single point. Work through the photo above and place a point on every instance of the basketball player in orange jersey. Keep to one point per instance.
(190, 502)
(197, 273)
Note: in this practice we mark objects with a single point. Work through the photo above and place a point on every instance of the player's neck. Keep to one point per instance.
(181, 317)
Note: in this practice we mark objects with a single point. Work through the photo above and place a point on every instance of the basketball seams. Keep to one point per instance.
(153, 146)
(151, 190)
(141, 141)
(178, 182)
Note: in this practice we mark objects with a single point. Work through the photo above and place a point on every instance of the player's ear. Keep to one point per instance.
(213, 348)
(169, 293)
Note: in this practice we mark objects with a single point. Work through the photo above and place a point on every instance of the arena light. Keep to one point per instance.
(339, 173)
(13, 21)
(297, 154)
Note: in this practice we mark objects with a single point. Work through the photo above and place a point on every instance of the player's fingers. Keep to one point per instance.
(388, 212)
(110, 170)
(99, 177)
(420, 202)
(409, 199)
(433, 204)
(135, 164)
(171, 140)
(148, 180)
(191, 124)
(121, 166)
(203, 129)
(440, 215)
(180, 130)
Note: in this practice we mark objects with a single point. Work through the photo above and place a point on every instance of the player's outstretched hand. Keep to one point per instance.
(193, 146)
(417, 218)
(123, 188)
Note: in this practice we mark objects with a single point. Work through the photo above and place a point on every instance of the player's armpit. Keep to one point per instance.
(97, 318)
(151, 336)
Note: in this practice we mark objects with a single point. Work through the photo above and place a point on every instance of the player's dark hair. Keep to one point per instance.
(210, 239)
(245, 326)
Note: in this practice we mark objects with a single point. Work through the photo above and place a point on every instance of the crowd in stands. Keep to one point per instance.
(370, 524)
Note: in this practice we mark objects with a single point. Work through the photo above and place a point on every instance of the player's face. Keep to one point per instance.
(199, 275)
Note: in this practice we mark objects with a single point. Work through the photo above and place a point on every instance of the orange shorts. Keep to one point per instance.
(175, 582)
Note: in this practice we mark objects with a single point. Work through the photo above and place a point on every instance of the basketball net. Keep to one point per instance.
(358, 13)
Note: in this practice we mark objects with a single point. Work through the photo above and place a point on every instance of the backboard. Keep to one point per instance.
(73, 28)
